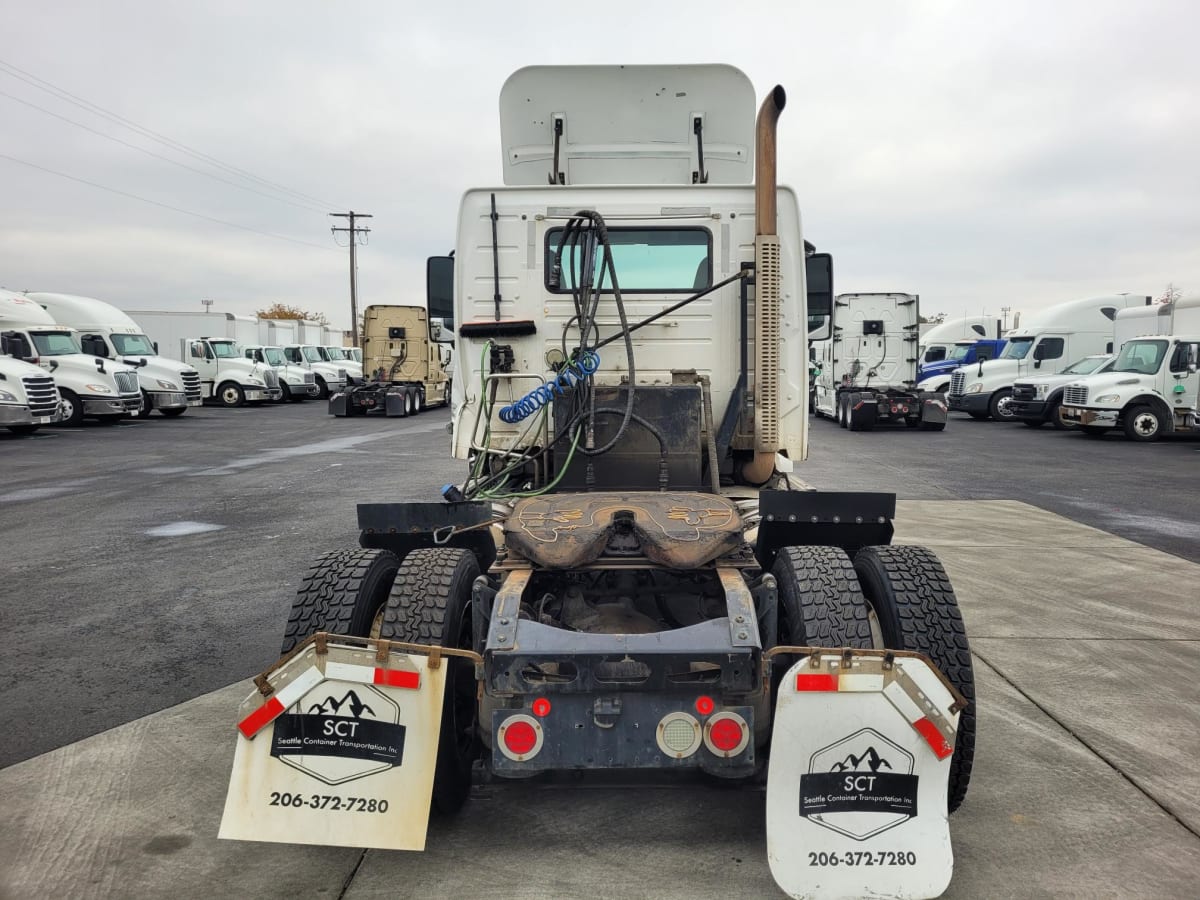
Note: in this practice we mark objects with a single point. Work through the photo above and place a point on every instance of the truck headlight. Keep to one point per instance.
(98, 388)
(6, 397)
(1040, 391)
(974, 388)
(167, 385)
(1108, 398)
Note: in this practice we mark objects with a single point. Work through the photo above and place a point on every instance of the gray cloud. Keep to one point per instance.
(980, 155)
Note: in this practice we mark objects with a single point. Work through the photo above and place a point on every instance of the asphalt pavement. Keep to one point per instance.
(149, 569)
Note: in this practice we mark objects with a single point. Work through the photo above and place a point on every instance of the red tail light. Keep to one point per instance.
(726, 734)
(520, 737)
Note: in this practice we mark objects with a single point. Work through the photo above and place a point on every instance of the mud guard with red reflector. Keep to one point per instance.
(857, 780)
(341, 751)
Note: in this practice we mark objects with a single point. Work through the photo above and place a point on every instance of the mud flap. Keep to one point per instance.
(933, 408)
(340, 752)
(339, 404)
(857, 781)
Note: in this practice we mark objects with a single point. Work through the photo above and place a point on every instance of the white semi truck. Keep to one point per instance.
(296, 383)
(211, 343)
(1152, 388)
(1046, 342)
(622, 580)
(868, 367)
(29, 398)
(939, 341)
(168, 385)
(89, 386)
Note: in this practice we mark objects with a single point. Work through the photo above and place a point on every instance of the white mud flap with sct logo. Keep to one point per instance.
(857, 781)
(341, 751)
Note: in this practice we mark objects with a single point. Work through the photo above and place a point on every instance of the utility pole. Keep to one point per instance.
(353, 230)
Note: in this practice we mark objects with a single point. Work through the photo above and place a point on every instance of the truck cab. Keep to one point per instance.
(227, 376)
(1152, 387)
(341, 357)
(1045, 343)
(29, 398)
(295, 382)
(89, 386)
(1038, 399)
(329, 377)
(935, 376)
(167, 385)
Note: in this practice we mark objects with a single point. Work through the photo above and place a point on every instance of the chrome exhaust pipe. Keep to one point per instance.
(761, 467)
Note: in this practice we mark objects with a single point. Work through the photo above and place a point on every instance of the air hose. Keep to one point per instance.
(568, 376)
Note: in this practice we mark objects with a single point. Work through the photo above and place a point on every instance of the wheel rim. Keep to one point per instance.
(68, 408)
(1145, 424)
(229, 396)
(408, 403)
(1004, 408)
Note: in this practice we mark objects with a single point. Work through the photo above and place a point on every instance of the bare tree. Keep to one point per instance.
(1170, 294)
(284, 311)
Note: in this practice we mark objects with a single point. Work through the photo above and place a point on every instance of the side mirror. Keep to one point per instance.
(155, 346)
(818, 271)
(439, 288)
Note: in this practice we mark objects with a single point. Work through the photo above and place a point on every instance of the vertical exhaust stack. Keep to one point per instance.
(766, 293)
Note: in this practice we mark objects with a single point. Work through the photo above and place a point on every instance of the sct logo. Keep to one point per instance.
(860, 785)
(338, 733)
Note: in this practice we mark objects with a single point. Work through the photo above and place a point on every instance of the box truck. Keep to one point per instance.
(211, 342)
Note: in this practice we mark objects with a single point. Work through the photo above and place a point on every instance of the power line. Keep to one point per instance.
(63, 94)
(168, 159)
(178, 209)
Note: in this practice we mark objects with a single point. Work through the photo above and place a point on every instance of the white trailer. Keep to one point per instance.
(89, 386)
(277, 332)
(167, 384)
(212, 342)
(1153, 387)
(1046, 342)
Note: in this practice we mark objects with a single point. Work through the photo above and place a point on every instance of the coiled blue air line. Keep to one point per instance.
(568, 376)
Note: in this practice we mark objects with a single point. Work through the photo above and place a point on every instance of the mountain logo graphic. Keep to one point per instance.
(331, 706)
(853, 763)
(340, 732)
(860, 786)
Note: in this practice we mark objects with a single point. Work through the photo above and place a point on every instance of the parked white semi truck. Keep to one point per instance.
(622, 580)
(868, 368)
(337, 355)
(295, 382)
(211, 342)
(938, 342)
(168, 385)
(1152, 388)
(29, 398)
(89, 386)
(1046, 342)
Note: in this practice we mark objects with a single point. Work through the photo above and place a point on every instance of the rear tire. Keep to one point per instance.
(430, 603)
(418, 400)
(820, 600)
(343, 592)
(911, 596)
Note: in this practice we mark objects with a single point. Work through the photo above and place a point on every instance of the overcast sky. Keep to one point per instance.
(979, 154)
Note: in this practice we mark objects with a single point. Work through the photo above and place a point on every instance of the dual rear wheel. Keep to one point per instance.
(424, 599)
(893, 597)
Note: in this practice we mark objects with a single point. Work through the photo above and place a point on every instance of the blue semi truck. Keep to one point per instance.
(935, 376)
